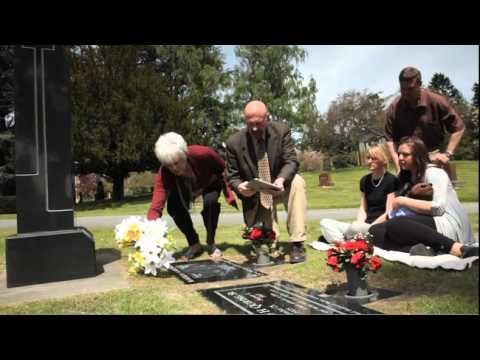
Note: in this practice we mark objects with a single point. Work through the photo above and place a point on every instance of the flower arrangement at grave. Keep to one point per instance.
(261, 237)
(150, 247)
(357, 253)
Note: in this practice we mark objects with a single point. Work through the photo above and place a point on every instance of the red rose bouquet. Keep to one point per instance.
(260, 236)
(357, 253)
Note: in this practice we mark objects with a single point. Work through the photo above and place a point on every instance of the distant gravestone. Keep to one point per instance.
(47, 247)
(281, 298)
(208, 270)
(325, 179)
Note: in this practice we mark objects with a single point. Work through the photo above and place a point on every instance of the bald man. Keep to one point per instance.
(244, 149)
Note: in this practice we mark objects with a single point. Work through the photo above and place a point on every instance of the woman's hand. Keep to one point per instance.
(398, 202)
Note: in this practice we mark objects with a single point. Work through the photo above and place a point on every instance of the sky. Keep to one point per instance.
(339, 68)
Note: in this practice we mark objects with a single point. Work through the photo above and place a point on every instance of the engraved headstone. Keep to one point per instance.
(325, 179)
(47, 246)
(208, 270)
(284, 298)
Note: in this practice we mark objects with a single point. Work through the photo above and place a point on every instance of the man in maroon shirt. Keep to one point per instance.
(420, 112)
(186, 173)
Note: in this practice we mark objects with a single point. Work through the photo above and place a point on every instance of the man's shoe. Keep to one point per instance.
(298, 253)
(469, 251)
(421, 250)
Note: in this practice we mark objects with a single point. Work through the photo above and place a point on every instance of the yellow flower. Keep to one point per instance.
(133, 270)
(139, 258)
(133, 234)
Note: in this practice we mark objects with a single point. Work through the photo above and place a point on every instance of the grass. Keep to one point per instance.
(345, 194)
(422, 291)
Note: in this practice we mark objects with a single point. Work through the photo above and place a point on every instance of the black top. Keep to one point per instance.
(377, 196)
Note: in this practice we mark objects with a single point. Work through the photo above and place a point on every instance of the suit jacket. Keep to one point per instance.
(208, 167)
(242, 162)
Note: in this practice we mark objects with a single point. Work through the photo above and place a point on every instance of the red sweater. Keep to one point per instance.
(209, 169)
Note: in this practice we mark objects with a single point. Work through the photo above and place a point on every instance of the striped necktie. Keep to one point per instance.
(264, 174)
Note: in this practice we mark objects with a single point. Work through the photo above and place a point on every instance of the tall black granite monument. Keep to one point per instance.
(47, 247)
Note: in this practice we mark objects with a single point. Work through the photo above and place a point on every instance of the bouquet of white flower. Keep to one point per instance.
(151, 247)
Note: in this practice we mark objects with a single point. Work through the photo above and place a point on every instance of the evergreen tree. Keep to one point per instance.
(475, 95)
(118, 110)
(7, 137)
(468, 148)
(269, 73)
(195, 83)
(442, 85)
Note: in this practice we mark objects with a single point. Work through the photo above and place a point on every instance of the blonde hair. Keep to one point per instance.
(379, 152)
(169, 146)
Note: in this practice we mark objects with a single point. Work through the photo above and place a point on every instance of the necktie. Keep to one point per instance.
(264, 173)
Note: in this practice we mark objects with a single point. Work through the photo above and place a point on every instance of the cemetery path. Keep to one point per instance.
(225, 218)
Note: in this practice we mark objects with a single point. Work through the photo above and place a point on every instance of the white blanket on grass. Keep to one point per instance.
(446, 261)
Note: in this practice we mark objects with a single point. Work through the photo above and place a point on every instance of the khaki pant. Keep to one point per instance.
(294, 200)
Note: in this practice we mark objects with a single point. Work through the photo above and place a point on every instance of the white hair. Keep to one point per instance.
(169, 146)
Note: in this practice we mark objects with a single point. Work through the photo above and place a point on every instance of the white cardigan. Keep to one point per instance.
(450, 217)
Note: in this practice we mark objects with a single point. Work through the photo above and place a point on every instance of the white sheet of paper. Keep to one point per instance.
(260, 185)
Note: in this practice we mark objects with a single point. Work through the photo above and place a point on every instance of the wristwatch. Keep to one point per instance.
(449, 155)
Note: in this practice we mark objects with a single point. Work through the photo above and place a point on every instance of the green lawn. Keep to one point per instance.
(345, 193)
(422, 291)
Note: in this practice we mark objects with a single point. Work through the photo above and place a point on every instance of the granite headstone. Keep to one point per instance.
(47, 246)
(282, 298)
(208, 271)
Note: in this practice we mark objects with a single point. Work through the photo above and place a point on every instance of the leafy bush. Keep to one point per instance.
(344, 160)
(310, 160)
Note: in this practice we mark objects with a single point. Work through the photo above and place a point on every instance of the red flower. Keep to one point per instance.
(376, 263)
(356, 252)
(357, 258)
(348, 245)
(271, 235)
(362, 245)
(256, 234)
(332, 261)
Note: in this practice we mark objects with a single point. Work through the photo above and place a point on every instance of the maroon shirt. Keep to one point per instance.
(209, 169)
(429, 120)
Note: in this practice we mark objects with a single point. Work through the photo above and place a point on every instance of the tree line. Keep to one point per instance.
(124, 97)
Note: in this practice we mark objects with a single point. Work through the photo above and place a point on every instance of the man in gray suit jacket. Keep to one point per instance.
(244, 149)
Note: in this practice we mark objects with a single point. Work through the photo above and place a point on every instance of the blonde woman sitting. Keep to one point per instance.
(378, 191)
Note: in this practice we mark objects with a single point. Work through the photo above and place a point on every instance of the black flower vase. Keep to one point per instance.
(357, 287)
(263, 256)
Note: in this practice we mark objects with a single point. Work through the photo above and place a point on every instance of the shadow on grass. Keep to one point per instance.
(247, 251)
(244, 249)
(106, 256)
(432, 282)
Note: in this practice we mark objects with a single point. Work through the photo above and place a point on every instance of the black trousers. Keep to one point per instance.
(183, 220)
(402, 232)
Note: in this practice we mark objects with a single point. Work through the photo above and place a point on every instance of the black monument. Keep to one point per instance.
(47, 247)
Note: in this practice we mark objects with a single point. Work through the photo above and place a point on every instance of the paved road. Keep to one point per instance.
(225, 219)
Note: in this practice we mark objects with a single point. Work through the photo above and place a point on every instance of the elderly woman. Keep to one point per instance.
(186, 173)
(439, 225)
(378, 191)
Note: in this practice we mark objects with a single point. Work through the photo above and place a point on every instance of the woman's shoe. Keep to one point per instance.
(469, 251)
(421, 250)
(192, 252)
(216, 255)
